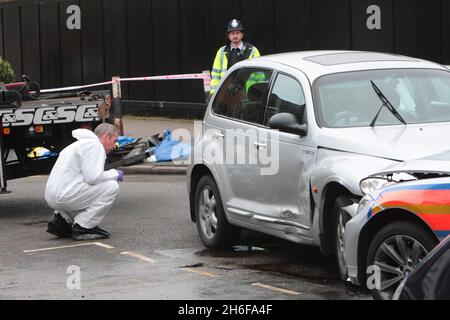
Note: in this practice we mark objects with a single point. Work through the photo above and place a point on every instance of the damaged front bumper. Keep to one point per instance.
(359, 213)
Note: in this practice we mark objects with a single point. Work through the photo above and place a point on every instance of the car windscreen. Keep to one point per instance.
(349, 99)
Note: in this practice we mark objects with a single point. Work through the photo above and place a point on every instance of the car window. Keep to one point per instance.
(286, 96)
(442, 89)
(247, 95)
(220, 101)
(407, 103)
(348, 99)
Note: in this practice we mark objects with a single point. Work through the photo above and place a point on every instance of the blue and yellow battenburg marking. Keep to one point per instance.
(431, 202)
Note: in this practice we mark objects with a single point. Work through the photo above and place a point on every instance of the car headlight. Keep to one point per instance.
(369, 185)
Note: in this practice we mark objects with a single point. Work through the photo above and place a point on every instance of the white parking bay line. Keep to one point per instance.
(203, 273)
(138, 256)
(281, 290)
(106, 246)
(72, 246)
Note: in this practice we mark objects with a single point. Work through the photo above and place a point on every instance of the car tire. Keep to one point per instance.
(396, 250)
(212, 224)
(340, 219)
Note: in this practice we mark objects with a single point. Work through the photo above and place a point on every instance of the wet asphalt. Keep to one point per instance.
(154, 252)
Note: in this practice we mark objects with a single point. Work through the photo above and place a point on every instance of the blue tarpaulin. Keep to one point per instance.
(123, 141)
(169, 149)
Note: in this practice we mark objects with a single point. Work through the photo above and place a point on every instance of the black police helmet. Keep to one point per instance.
(235, 25)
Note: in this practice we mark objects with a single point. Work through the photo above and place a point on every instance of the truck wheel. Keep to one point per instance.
(393, 253)
(340, 219)
(212, 224)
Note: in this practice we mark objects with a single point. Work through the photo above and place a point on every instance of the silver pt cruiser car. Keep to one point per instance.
(287, 138)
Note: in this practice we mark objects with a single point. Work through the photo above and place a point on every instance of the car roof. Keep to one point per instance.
(317, 63)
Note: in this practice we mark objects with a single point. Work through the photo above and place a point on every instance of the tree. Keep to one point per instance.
(6, 72)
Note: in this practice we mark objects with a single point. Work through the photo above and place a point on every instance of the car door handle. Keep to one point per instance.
(259, 145)
(218, 135)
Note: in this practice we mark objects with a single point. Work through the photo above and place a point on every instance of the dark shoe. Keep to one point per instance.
(58, 226)
(80, 233)
(102, 231)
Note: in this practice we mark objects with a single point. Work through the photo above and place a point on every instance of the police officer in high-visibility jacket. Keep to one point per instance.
(232, 53)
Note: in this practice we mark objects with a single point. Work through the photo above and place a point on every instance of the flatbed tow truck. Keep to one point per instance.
(35, 127)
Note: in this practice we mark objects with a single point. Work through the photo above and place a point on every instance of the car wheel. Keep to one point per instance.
(393, 254)
(212, 224)
(340, 219)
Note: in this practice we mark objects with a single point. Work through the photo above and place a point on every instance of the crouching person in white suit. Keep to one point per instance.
(78, 189)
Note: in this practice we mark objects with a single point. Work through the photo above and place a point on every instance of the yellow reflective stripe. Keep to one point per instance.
(217, 70)
(222, 56)
(214, 83)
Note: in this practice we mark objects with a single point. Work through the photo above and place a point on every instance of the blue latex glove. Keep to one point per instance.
(121, 174)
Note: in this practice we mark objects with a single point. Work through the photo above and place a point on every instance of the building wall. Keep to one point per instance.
(156, 37)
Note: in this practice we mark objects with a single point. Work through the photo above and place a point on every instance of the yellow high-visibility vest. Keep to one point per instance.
(220, 65)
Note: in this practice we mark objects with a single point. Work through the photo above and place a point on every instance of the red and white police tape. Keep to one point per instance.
(206, 76)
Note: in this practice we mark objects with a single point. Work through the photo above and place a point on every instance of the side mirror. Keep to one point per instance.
(287, 122)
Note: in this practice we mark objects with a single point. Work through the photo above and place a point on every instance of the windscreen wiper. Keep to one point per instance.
(387, 104)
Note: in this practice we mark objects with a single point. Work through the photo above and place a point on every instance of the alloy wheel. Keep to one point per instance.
(396, 258)
(208, 214)
(340, 248)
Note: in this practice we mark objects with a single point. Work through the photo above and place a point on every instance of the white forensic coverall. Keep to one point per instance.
(78, 185)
